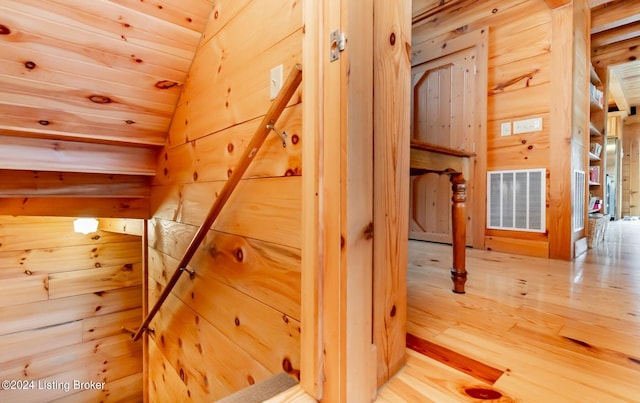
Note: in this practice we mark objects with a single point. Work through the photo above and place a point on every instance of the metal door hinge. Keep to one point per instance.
(337, 43)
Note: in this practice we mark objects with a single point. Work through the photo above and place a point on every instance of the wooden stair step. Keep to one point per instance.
(262, 391)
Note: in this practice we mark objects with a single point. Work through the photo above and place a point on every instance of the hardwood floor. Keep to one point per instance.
(555, 331)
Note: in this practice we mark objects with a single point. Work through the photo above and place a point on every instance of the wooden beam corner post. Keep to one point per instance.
(337, 360)
(311, 365)
(392, 102)
(560, 146)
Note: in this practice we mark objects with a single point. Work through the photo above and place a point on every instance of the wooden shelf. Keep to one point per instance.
(595, 106)
(593, 77)
(597, 141)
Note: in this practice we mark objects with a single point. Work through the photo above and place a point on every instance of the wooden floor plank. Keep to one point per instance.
(446, 356)
(425, 379)
(561, 331)
(569, 373)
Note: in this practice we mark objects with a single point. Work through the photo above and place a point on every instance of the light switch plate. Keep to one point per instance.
(527, 125)
(505, 129)
(275, 81)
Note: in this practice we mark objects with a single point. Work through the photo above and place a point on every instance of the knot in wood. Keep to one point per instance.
(100, 99)
(483, 394)
(368, 231)
(286, 365)
(165, 84)
(238, 254)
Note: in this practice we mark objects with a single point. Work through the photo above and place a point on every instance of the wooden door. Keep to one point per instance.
(443, 113)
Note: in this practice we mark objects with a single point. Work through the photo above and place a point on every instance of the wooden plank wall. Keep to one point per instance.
(631, 170)
(520, 86)
(64, 297)
(238, 321)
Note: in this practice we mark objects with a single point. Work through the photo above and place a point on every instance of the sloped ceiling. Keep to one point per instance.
(91, 85)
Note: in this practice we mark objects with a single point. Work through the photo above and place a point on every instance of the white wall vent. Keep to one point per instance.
(579, 183)
(516, 200)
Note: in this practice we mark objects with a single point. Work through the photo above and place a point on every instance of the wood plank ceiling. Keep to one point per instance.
(91, 86)
(615, 43)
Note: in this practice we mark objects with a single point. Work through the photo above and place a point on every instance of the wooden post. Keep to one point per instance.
(459, 227)
(145, 309)
(392, 106)
(560, 139)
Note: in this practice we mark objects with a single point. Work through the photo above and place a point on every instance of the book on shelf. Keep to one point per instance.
(596, 149)
(596, 94)
(594, 174)
(594, 204)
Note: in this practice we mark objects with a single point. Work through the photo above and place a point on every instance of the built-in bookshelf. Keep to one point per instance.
(596, 144)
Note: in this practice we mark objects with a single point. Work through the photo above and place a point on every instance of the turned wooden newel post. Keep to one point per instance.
(458, 216)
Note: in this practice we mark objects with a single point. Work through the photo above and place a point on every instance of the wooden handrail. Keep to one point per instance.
(275, 110)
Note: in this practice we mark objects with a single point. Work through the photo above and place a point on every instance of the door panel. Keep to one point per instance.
(443, 113)
(431, 223)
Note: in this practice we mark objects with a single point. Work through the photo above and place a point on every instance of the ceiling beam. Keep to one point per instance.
(614, 15)
(72, 184)
(75, 207)
(619, 34)
(616, 92)
(32, 154)
(616, 53)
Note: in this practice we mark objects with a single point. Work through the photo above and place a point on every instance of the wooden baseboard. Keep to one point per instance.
(527, 247)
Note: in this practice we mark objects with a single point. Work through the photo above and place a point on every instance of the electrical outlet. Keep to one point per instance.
(505, 129)
(527, 125)
(275, 81)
